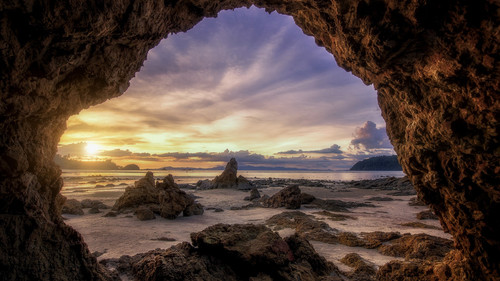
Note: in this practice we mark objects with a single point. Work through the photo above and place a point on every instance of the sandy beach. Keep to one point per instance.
(113, 237)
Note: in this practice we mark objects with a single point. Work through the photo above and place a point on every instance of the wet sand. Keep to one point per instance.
(112, 237)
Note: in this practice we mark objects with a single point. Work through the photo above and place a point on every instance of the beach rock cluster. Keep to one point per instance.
(75, 207)
(163, 198)
(228, 179)
(231, 252)
(433, 64)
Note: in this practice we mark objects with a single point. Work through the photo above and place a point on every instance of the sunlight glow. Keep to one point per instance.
(92, 148)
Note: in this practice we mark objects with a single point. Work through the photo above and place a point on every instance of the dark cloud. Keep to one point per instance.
(335, 149)
(370, 137)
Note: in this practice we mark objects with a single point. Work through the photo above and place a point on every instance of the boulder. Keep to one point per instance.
(193, 210)
(72, 207)
(88, 203)
(230, 252)
(163, 198)
(254, 194)
(289, 197)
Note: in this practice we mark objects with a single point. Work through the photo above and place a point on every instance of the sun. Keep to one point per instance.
(92, 148)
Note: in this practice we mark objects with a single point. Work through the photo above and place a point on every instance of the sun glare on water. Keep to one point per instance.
(92, 148)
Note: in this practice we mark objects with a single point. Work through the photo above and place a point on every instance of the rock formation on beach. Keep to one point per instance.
(434, 65)
(289, 197)
(231, 252)
(228, 179)
(163, 198)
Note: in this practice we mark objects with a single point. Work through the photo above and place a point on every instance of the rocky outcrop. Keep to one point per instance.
(231, 252)
(164, 198)
(433, 64)
(419, 246)
(228, 179)
(289, 197)
(362, 271)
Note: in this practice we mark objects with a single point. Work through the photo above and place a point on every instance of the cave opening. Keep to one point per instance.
(433, 66)
(225, 75)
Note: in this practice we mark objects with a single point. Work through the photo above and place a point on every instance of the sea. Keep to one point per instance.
(88, 180)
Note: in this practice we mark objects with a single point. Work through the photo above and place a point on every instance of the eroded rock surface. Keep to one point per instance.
(289, 197)
(434, 65)
(228, 179)
(163, 198)
(231, 252)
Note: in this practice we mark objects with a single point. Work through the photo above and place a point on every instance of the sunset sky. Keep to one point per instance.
(247, 84)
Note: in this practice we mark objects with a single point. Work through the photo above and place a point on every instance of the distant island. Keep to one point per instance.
(379, 163)
(67, 163)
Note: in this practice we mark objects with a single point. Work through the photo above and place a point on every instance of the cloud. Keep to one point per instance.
(370, 137)
(335, 149)
(73, 149)
(248, 81)
(122, 153)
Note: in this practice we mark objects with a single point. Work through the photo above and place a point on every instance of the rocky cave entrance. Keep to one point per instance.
(434, 65)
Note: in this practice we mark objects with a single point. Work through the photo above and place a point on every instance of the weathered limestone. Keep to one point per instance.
(434, 65)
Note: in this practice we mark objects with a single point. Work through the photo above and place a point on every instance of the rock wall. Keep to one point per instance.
(435, 65)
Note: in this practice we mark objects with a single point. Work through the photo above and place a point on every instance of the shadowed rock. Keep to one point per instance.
(418, 246)
(230, 252)
(228, 179)
(254, 194)
(88, 203)
(163, 198)
(362, 271)
(426, 215)
(288, 197)
(72, 207)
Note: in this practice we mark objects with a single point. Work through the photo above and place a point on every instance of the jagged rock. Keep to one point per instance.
(418, 246)
(305, 225)
(144, 214)
(433, 64)
(228, 179)
(254, 194)
(163, 198)
(426, 215)
(88, 203)
(289, 197)
(230, 252)
(362, 270)
(452, 267)
(72, 207)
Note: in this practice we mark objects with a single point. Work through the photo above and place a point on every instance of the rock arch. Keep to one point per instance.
(435, 66)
